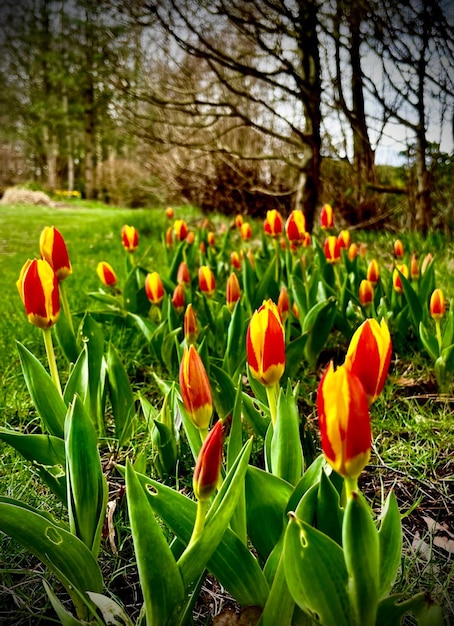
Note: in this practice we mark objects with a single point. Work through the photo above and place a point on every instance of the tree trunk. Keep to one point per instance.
(89, 141)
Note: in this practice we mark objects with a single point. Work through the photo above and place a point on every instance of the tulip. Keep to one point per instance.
(208, 466)
(273, 223)
(344, 422)
(233, 291)
(245, 231)
(352, 251)
(373, 272)
(283, 303)
(427, 260)
(369, 355)
(238, 220)
(52, 247)
(202, 247)
(366, 293)
(235, 260)
(295, 227)
(195, 389)
(191, 330)
(154, 288)
(170, 213)
(437, 305)
(207, 281)
(178, 298)
(414, 267)
(190, 238)
(251, 258)
(307, 240)
(327, 216)
(344, 238)
(332, 249)
(169, 237)
(295, 310)
(106, 274)
(362, 249)
(183, 275)
(397, 282)
(38, 289)
(130, 238)
(265, 344)
(211, 238)
(399, 251)
(180, 229)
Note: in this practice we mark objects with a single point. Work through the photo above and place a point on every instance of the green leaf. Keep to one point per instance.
(414, 304)
(392, 609)
(448, 330)
(294, 351)
(316, 574)
(232, 563)
(43, 392)
(66, 338)
(267, 286)
(390, 541)
(87, 487)
(286, 451)
(310, 478)
(62, 552)
(280, 604)
(362, 558)
(318, 324)
(429, 341)
(121, 396)
(160, 579)
(266, 499)
(235, 444)
(236, 342)
(329, 512)
(222, 390)
(166, 449)
(258, 421)
(66, 618)
(93, 337)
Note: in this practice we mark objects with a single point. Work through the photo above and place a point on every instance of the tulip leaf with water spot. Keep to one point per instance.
(43, 392)
(62, 552)
(362, 558)
(316, 574)
(121, 396)
(266, 499)
(160, 579)
(87, 486)
(390, 541)
(392, 609)
(286, 451)
(258, 420)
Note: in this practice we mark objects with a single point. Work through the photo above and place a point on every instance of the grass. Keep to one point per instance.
(413, 427)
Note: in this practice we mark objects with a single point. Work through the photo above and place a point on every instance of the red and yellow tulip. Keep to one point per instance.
(373, 272)
(106, 274)
(332, 249)
(238, 220)
(52, 247)
(195, 388)
(369, 355)
(245, 231)
(437, 305)
(38, 288)
(183, 275)
(233, 291)
(211, 238)
(170, 213)
(352, 251)
(399, 250)
(366, 293)
(178, 298)
(327, 216)
(207, 282)
(295, 227)
(265, 344)
(190, 326)
(273, 224)
(397, 282)
(130, 238)
(208, 466)
(154, 288)
(180, 229)
(235, 260)
(344, 239)
(414, 267)
(344, 421)
(283, 303)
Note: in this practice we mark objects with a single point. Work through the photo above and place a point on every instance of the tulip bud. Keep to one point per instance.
(178, 298)
(369, 355)
(397, 282)
(366, 293)
(307, 240)
(352, 251)
(344, 421)
(265, 344)
(38, 289)
(233, 291)
(399, 251)
(169, 237)
(239, 220)
(327, 216)
(283, 303)
(191, 330)
(106, 274)
(344, 238)
(332, 250)
(211, 238)
(250, 257)
(245, 231)
(414, 267)
(154, 288)
(207, 283)
(235, 260)
(427, 260)
(295, 227)
(437, 305)
(130, 238)
(190, 238)
(170, 213)
(52, 247)
(362, 249)
(183, 275)
(273, 223)
(373, 272)
(195, 388)
(180, 229)
(208, 466)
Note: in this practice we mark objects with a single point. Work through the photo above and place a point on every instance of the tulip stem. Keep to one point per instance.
(271, 393)
(51, 358)
(350, 485)
(65, 305)
(199, 525)
(439, 337)
(276, 275)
